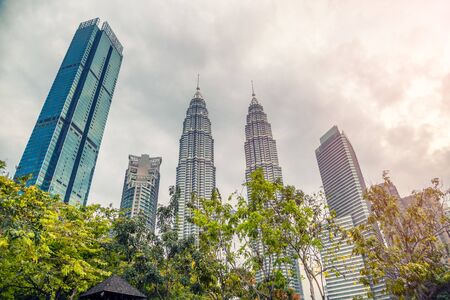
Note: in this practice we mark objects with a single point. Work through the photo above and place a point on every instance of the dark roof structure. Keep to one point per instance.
(113, 288)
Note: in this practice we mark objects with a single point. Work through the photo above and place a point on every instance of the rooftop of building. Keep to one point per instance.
(107, 30)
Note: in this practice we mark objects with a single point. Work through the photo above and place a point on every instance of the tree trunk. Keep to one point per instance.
(311, 286)
(320, 287)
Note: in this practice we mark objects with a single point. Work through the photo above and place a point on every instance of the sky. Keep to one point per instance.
(379, 70)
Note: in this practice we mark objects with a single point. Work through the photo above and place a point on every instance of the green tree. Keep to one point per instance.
(219, 271)
(303, 221)
(49, 249)
(285, 224)
(160, 265)
(411, 260)
(52, 250)
(265, 253)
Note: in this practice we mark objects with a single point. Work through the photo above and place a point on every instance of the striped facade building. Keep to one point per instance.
(341, 175)
(339, 255)
(344, 186)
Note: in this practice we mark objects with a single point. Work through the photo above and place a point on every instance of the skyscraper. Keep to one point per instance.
(261, 152)
(141, 186)
(338, 256)
(196, 173)
(344, 186)
(260, 147)
(341, 176)
(62, 151)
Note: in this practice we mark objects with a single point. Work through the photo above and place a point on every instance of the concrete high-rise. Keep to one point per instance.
(196, 173)
(261, 153)
(338, 256)
(141, 186)
(344, 186)
(62, 151)
(341, 176)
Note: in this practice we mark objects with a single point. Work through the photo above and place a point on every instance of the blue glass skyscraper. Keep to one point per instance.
(62, 151)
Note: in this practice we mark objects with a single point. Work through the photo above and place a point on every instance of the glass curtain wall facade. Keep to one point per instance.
(196, 173)
(141, 187)
(261, 153)
(61, 153)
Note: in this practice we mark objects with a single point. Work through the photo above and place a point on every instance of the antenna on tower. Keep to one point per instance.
(253, 90)
(198, 81)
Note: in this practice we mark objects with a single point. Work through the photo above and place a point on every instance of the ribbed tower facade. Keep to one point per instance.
(261, 153)
(260, 147)
(141, 187)
(62, 151)
(196, 173)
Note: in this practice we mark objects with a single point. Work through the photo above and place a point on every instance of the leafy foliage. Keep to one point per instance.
(282, 224)
(411, 259)
(221, 274)
(161, 266)
(304, 220)
(49, 249)
(265, 254)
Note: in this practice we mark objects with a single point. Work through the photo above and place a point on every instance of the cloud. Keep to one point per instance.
(378, 70)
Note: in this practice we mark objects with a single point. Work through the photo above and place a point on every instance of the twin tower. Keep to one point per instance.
(61, 154)
(196, 173)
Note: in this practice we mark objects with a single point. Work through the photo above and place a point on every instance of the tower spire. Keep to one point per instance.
(197, 92)
(254, 100)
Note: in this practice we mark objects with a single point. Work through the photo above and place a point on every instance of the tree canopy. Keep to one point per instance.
(410, 257)
(49, 249)
(52, 250)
